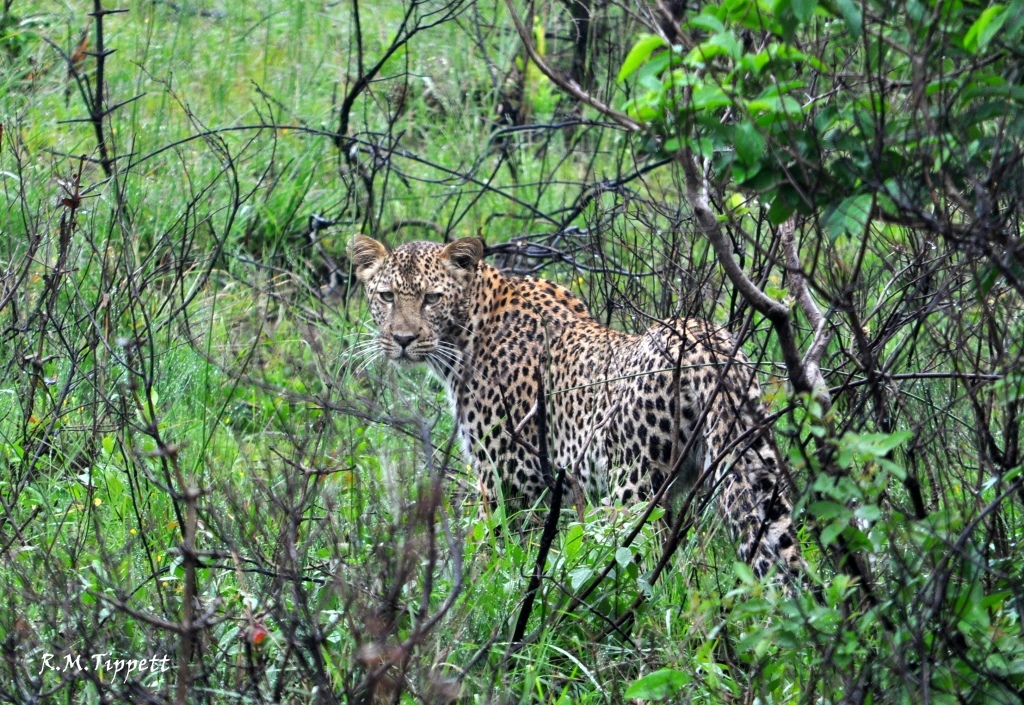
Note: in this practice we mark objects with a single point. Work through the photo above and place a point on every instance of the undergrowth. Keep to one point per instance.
(199, 462)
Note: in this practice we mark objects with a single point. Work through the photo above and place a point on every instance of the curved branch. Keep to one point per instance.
(804, 372)
(567, 84)
(775, 311)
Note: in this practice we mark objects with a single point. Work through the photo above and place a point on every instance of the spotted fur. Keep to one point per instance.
(620, 408)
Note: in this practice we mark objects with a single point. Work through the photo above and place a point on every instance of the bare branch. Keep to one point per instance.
(567, 84)
(802, 380)
(774, 311)
(822, 336)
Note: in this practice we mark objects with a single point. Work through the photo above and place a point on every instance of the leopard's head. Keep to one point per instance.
(419, 295)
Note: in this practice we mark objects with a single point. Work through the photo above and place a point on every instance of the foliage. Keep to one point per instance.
(199, 458)
(836, 112)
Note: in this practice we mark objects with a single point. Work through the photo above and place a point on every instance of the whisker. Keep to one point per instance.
(362, 353)
(456, 353)
(440, 364)
(451, 356)
(373, 342)
(372, 358)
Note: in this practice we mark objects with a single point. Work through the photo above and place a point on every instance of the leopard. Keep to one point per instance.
(537, 384)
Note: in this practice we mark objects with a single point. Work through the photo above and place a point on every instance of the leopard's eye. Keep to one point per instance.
(386, 296)
(431, 298)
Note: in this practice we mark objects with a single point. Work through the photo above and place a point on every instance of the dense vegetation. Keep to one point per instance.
(199, 463)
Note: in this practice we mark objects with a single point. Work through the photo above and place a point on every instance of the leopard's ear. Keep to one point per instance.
(366, 255)
(464, 254)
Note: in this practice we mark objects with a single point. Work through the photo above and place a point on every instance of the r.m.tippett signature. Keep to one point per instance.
(113, 667)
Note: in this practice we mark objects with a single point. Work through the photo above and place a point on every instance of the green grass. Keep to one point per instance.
(184, 346)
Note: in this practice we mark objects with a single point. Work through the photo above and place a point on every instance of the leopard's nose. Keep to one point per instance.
(403, 339)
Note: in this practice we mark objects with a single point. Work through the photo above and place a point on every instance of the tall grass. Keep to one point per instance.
(197, 460)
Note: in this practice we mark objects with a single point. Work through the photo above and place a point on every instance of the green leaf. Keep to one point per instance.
(986, 279)
(579, 576)
(573, 540)
(868, 512)
(640, 52)
(754, 63)
(681, 79)
(623, 556)
(659, 685)
(879, 444)
(650, 74)
(709, 23)
(850, 11)
(828, 510)
(851, 15)
(752, 641)
(781, 208)
(787, 105)
(831, 532)
(744, 573)
(850, 216)
(709, 97)
(984, 28)
(704, 146)
(989, 110)
(750, 144)
(803, 8)
(857, 539)
(702, 53)
(743, 174)
(729, 42)
(752, 607)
